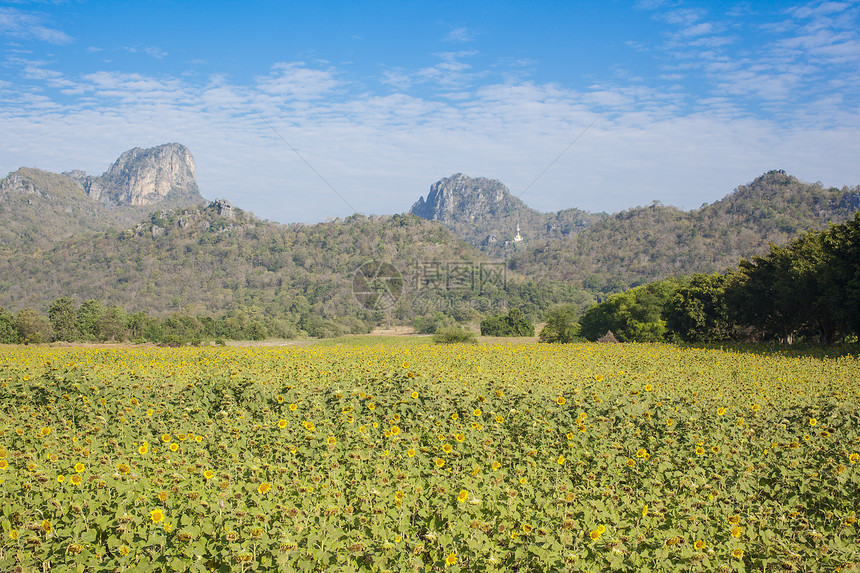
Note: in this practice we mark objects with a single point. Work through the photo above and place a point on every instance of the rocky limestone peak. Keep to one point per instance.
(145, 177)
(464, 198)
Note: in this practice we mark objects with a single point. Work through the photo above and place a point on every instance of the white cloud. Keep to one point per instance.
(155, 52)
(297, 81)
(381, 152)
(460, 35)
(27, 25)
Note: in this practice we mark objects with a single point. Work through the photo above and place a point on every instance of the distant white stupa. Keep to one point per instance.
(519, 237)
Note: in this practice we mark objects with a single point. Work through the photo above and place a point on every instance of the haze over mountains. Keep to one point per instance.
(141, 236)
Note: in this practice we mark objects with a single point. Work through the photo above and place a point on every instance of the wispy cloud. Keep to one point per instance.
(801, 50)
(295, 80)
(460, 35)
(28, 25)
(382, 151)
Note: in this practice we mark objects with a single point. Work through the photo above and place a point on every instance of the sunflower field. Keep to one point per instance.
(392, 457)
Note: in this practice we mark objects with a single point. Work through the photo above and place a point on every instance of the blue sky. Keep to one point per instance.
(597, 105)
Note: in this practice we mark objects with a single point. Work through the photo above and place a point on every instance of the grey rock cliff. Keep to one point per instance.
(464, 198)
(145, 177)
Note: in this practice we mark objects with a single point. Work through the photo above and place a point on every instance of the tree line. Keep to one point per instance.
(92, 321)
(807, 290)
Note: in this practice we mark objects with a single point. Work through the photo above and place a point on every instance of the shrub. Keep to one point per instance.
(455, 334)
(514, 324)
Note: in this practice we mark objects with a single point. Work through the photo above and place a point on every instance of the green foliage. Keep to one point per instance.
(698, 311)
(805, 289)
(63, 314)
(562, 325)
(8, 328)
(432, 323)
(842, 248)
(33, 328)
(513, 324)
(635, 315)
(89, 315)
(454, 335)
(644, 244)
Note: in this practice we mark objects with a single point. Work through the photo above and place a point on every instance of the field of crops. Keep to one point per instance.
(427, 458)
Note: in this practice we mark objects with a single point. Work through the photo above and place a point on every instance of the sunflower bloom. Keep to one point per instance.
(156, 515)
(700, 545)
(462, 496)
(738, 553)
(79, 467)
(264, 488)
(451, 559)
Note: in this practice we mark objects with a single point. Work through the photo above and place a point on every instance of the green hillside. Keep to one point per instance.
(205, 262)
(647, 243)
(38, 208)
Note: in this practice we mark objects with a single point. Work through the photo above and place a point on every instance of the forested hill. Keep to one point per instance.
(38, 208)
(208, 261)
(647, 243)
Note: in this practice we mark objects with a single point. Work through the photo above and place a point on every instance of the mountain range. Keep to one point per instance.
(141, 236)
(607, 253)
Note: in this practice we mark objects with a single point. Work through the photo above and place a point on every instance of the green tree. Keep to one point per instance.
(562, 325)
(635, 315)
(8, 328)
(842, 276)
(784, 294)
(698, 310)
(88, 317)
(513, 324)
(63, 315)
(33, 328)
(112, 324)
